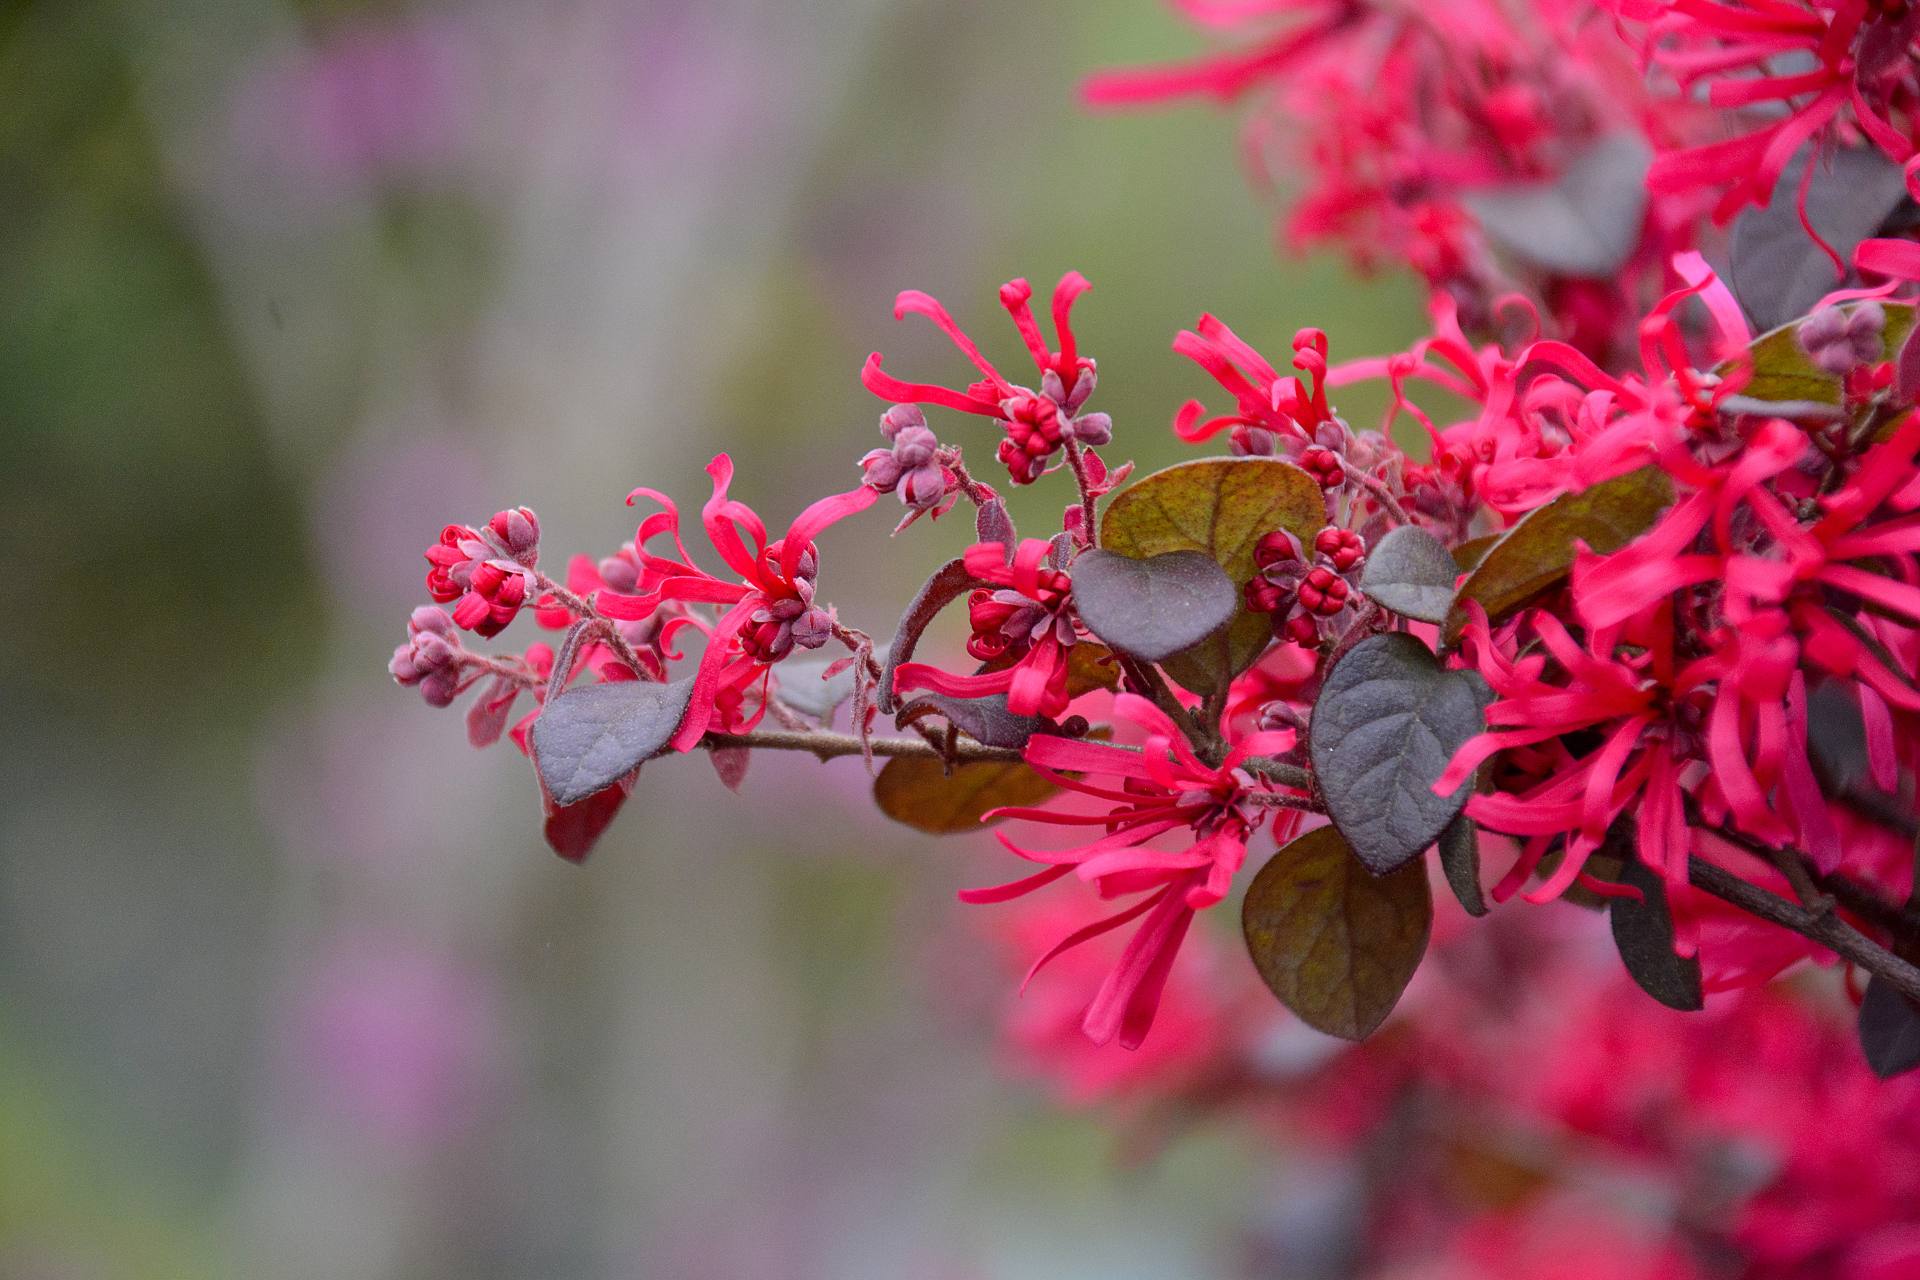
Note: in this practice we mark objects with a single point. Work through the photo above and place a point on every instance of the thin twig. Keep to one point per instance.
(1825, 928)
(1079, 465)
(1377, 491)
(828, 746)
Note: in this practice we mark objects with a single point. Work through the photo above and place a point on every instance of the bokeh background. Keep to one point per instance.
(289, 985)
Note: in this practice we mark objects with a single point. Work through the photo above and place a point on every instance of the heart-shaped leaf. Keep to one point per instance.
(1889, 1030)
(589, 738)
(1773, 267)
(1586, 222)
(1336, 943)
(1411, 572)
(918, 791)
(1220, 507)
(1154, 608)
(1643, 931)
(1537, 553)
(1459, 847)
(1388, 719)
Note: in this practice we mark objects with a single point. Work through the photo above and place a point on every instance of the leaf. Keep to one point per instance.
(1534, 555)
(1388, 719)
(991, 523)
(572, 830)
(1586, 222)
(1090, 666)
(948, 583)
(1889, 1030)
(985, 719)
(916, 790)
(1468, 555)
(487, 717)
(800, 683)
(730, 765)
(1222, 507)
(589, 738)
(1782, 372)
(1336, 943)
(1411, 572)
(1460, 859)
(1837, 739)
(1774, 268)
(1154, 608)
(1643, 933)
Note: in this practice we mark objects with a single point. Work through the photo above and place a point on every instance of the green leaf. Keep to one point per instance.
(1411, 572)
(1536, 554)
(1460, 858)
(1388, 719)
(1781, 370)
(918, 791)
(589, 738)
(1336, 943)
(1221, 507)
(1643, 932)
(1154, 608)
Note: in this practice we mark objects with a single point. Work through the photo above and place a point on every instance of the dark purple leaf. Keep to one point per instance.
(1586, 222)
(1412, 573)
(1889, 1030)
(589, 738)
(1154, 608)
(986, 720)
(1388, 719)
(1774, 268)
(1459, 847)
(948, 583)
(1643, 932)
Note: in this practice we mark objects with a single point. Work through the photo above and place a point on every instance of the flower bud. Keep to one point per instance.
(899, 417)
(1342, 548)
(1093, 428)
(518, 532)
(1324, 466)
(813, 628)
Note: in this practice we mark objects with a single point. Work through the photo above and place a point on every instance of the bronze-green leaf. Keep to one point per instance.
(1220, 506)
(1537, 553)
(917, 791)
(1782, 372)
(1335, 942)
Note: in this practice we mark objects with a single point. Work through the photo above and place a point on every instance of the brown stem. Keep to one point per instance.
(606, 628)
(1079, 465)
(1823, 927)
(829, 745)
(1378, 491)
(978, 494)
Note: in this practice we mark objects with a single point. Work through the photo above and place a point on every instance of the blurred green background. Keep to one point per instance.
(289, 985)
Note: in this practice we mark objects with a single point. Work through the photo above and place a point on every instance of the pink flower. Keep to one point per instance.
(1163, 789)
(1815, 73)
(1027, 626)
(767, 612)
(1273, 408)
(1037, 424)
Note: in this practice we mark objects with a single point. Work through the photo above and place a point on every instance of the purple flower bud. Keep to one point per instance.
(1332, 434)
(1252, 442)
(431, 617)
(619, 573)
(914, 447)
(1823, 328)
(813, 628)
(440, 688)
(901, 416)
(923, 487)
(1082, 387)
(1094, 428)
(879, 469)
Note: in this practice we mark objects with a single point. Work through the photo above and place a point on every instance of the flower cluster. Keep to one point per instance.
(1638, 614)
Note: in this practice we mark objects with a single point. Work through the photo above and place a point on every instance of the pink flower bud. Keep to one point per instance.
(518, 531)
(899, 417)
